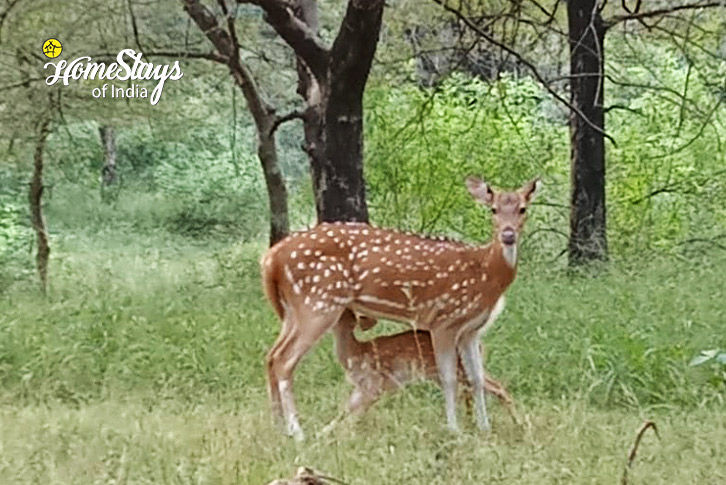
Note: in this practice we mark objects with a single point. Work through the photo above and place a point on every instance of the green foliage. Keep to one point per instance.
(667, 172)
(213, 191)
(15, 235)
(197, 188)
(422, 144)
(663, 178)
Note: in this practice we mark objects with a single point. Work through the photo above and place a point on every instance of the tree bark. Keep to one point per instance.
(333, 95)
(35, 198)
(108, 140)
(588, 237)
(225, 42)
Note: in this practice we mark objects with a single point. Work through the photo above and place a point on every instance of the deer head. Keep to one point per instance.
(509, 210)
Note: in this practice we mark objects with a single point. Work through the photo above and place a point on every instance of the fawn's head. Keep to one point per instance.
(509, 209)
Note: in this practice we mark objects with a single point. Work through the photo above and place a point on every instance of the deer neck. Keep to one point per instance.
(500, 263)
(346, 345)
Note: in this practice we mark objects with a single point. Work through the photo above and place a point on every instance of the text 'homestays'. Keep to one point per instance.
(128, 66)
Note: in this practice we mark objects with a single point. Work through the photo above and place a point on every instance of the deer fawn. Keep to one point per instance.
(454, 290)
(388, 363)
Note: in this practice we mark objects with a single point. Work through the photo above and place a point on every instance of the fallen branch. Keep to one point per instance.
(634, 450)
(307, 476)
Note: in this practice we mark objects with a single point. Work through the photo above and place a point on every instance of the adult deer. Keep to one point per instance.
(387, 363)
(453, 290)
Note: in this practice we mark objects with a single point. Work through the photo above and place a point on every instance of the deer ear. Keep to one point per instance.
(530, 189)
(480, 190)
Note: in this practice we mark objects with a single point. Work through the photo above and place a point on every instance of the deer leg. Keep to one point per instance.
(285, 357)
(362, 399)
(358, 403)
(445, 352)
(273, 389)
(473, 364)
(494, 387)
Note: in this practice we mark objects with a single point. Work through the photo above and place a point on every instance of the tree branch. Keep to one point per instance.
(210, 56)
(4, 14)
(623, 107)
(355, 45)
(527, 64)
(21, 84)
(296, 34)
(640, 16)
(229, 52)
(207, 22)
(230, 25)
(294, 115)
(134, 25)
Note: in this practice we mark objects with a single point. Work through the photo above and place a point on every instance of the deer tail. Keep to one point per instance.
(270, 279)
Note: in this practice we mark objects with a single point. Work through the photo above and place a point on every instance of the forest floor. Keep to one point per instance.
(144, 364)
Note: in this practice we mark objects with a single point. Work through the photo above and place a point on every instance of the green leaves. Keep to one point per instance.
(422, 144)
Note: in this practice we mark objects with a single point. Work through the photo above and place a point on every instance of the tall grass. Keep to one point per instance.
(145, 365)
(179, 318)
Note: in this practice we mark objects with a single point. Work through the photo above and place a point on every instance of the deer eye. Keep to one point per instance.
(494, 210)
(522, 210)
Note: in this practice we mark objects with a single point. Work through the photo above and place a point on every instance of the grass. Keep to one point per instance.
(402, 442)
(144, 365)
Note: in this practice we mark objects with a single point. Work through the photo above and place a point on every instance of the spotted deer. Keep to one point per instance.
(451, 289)
(387, 363)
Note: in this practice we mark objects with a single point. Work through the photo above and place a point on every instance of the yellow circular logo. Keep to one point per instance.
(52, 48)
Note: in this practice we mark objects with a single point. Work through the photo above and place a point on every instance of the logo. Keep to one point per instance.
(129, 66)
(52, 48)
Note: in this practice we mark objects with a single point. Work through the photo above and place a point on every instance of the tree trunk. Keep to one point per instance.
(334, 114)
(225, 42)
(35, 197)
(276, 190)
(588, 238)
(108, 140)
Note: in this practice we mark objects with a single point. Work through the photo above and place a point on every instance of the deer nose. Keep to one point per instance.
(508, 236)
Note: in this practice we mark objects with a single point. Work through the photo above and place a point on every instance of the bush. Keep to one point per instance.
(663, 177)
(13, 236)
(422, 144)
(213, 192)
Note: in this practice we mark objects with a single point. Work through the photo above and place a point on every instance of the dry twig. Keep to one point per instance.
(307, 476)
(634, 449)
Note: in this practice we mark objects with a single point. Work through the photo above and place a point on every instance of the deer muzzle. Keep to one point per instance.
(508, 236)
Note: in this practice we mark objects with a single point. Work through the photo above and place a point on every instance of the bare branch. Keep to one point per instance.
(526, 63)
(21, 84)
(712, 241)
(612, 107)
(230, 25)
(303, 40)
(294, 115)
(134, 25)
(550, 15)
(207, 22)
(4, 14)
(634, 450)
(210, 56)
(229, 52)
(640, 16)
